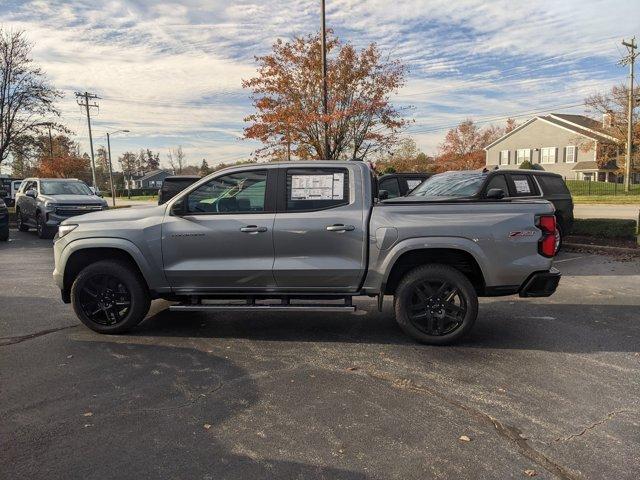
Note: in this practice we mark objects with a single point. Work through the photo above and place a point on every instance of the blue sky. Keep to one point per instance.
(171, 71)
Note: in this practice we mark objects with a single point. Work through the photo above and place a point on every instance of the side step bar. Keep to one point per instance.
(261, 308)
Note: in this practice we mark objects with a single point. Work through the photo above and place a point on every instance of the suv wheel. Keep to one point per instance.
(41, 227)
(109, 297)
(20, 221)
(436, 304)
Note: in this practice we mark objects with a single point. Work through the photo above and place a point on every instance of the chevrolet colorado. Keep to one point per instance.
(302, 236)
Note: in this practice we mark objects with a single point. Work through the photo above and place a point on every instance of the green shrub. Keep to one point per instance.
(604, 227)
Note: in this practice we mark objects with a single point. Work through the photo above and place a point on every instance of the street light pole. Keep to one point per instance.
(113, 190)
(324, 83)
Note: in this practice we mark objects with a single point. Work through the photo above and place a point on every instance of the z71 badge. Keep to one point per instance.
(523, 233)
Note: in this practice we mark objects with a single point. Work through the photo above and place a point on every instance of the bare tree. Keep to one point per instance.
(176, 159)
(26, 98)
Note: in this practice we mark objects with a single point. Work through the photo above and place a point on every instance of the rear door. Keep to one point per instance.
(320, 234)
(224, 239)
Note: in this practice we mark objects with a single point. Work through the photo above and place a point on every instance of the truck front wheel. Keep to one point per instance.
(436, 304)
(110, 297)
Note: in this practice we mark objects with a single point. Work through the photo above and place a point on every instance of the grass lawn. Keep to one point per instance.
(611, 199)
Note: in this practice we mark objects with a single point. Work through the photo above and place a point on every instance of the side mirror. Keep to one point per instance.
(383, 195)
(495, 193)
(178, 209)
(31, 193)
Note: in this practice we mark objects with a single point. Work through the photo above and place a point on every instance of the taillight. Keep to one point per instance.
(548, 243)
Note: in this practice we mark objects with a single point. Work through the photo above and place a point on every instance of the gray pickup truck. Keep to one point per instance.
(305, 236)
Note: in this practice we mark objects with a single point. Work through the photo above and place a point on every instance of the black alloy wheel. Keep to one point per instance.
(437, 307)
(436, 304)
(104, 299)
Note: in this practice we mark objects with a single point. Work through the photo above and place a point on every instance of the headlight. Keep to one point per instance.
(64, 229)
(50, 205)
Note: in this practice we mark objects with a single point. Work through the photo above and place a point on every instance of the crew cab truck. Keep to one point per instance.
(305, 236)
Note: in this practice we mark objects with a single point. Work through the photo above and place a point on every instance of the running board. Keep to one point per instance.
(262, 308)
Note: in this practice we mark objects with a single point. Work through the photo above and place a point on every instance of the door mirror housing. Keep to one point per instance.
(31, 193)
(179, 209)
(495, 193)
(383, 195)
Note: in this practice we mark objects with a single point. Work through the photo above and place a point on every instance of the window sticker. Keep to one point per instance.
(317, 187)
(522, 186)
(411, 184)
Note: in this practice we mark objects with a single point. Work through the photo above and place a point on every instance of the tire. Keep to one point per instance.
(560, 238)
(4, 233)
(126, 285)
(43, 230)
(20, 221)
(436, 304)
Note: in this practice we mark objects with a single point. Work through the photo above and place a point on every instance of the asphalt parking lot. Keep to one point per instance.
(546, 387)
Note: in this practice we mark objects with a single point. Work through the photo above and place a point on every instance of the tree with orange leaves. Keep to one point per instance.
(287, 96)
(66, 161)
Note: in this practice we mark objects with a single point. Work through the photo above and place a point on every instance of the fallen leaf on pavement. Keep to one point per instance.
(352, 369)
(530, 473)
(87, 414)
(207, 426)
(464, 438)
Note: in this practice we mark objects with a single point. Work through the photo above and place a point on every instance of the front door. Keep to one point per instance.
(319, 232)
(224, 239)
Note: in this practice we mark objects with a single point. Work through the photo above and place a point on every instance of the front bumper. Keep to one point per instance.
(541, 284)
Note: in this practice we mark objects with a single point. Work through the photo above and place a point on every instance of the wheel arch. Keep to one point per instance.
(458, 258)
(78, 254)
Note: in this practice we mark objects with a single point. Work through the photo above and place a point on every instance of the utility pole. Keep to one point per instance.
(50, 141)
(83, 101)
(113, 192)
(629, 60)
(324, 84)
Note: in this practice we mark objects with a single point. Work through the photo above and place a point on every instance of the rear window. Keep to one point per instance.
(552, 185)
(316, 188)
(452, 184)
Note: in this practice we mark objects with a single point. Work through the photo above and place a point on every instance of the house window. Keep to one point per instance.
(570, 154)
(523, 154)
(548, 155)
(504, 157)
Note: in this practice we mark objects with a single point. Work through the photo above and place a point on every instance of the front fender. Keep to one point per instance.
(382, 261)
(153, 275)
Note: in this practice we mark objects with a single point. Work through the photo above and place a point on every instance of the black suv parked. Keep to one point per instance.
(45, 202)
(171, 186)
(400, 184)
(498, 184)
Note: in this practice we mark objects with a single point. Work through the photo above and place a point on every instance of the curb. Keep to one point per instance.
(601, 248)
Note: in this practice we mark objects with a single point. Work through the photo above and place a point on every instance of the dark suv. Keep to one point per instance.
(45, 202)
(171, 186)
(499, 184)
(4, 221)
(400, 184)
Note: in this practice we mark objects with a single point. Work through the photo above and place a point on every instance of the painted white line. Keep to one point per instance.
(567, 259)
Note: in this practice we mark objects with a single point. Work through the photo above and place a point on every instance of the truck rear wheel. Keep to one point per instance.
(110, 297)
(436, 304)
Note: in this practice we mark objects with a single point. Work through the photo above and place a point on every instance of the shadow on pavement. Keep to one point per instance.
(515, 324)
(131, 411)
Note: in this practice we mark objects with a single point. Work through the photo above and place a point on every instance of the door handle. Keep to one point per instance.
(253, 229)
(338, 227)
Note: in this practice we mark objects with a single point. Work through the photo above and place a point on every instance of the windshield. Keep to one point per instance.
(64, 188)
(457, 184)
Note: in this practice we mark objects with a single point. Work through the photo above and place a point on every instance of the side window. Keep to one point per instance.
(392, 187)
(242, 192)
(552, 185)
(522, 186)
(498, 181)
(316, 188)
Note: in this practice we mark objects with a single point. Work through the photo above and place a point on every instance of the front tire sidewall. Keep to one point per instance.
(403, 294)
(140, 300)
(20, 222)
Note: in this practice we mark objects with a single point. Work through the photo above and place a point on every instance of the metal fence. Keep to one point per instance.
(591, 187)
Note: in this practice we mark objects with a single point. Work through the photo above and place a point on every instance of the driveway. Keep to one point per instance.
(550, 387)
(607, 211)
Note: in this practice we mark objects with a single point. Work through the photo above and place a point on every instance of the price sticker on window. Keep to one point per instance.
(522, 186)
(317, 187)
